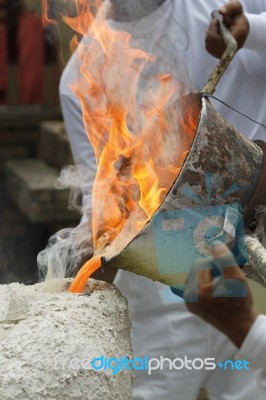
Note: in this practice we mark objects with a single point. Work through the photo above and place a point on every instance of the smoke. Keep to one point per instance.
(71, 177)
(65, 253)
(69, 248)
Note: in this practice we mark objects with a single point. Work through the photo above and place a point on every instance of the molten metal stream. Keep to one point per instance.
(86, 271)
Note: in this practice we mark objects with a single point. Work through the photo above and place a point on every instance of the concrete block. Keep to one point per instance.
(54, 146)
(10, 152)
(27, 116)
(15, 137)
(49, 337)
(31, 185)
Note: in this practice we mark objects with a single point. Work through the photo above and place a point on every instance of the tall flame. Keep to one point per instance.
(132, 121)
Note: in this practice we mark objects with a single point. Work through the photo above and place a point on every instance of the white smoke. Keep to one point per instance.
(69, 248)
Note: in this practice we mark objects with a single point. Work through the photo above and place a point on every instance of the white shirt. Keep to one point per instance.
(182, 24)
(253, 348)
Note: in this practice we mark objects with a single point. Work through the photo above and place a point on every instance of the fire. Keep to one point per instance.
(134, 126)
(45, 11)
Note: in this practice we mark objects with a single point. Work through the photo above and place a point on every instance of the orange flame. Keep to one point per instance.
(45, 14)
(132, 122)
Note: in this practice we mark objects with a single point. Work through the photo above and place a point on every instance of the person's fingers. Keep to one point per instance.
(225, 262)
(213, 41)
(235, 19)
(204, 277)
(219, 249)
(222, 257)
(231, 9)
(213, 31)
(205, 283)
(199, 281)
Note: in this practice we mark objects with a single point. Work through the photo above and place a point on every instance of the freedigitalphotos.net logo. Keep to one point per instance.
(183, 236)
(116, 365)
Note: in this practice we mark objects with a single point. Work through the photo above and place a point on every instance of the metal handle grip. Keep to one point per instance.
(231, 49)
(256, 258)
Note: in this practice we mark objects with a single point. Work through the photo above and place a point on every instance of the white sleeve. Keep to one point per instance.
(253, 348)
(256, 39)
(255, 11)
(81, 147)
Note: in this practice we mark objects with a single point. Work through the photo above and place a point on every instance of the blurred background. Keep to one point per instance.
(34, 146)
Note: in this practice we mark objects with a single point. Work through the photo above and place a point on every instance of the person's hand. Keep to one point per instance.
(217, 291)
(235, 20)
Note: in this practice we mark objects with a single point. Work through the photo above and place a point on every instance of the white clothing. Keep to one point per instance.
(254, 348)
(161, 325)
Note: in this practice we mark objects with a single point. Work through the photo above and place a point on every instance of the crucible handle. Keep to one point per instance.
(256, 258)
(231, 49)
